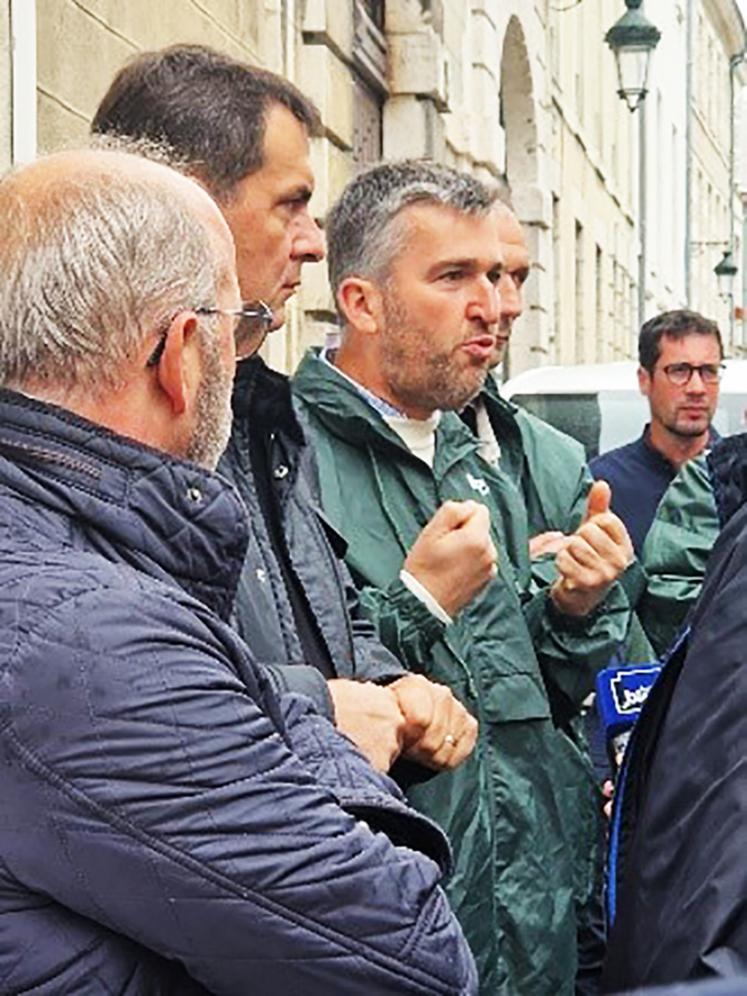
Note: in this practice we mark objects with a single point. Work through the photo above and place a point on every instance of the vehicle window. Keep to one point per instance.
(624, 414)
(608, 419)
(731, 414)
(599, 422)
(575, 414)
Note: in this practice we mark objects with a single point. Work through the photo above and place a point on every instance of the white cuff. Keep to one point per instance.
(423, 595)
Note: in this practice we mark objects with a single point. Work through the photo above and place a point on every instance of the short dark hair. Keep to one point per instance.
(676, 325)
(206, 107)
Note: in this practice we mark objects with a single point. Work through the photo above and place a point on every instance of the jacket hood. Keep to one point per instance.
(154, 511)
(492, 391)
(339, 405)
(727, 465)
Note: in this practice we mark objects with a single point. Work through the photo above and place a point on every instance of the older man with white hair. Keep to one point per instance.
(170, 823)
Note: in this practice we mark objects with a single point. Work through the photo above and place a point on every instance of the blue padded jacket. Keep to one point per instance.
(169, 824)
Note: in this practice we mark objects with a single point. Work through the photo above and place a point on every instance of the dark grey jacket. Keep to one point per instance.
(677, 876)
(262, 613)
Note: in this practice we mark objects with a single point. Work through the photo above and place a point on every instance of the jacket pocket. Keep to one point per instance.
(515, 696)
(511, 686)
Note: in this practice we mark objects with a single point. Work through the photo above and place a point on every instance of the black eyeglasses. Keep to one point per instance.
(680, 374)
(254, 318)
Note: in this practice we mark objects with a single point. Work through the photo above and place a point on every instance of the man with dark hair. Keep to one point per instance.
(415, 263)
(170, 824)
(244, 132)
(680, 355)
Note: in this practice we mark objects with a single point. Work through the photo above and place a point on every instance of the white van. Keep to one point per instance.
(600, 405)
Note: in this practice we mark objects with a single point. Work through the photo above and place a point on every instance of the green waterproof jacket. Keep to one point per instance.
(549, 469)
(676, 552)
(513, 887)
(547, 466)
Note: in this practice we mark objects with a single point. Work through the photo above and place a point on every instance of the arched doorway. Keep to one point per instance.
(517, 107)
(522, 168)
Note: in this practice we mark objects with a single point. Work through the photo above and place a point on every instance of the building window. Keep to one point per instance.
(369, 81)
(375, 10)
(578, 285)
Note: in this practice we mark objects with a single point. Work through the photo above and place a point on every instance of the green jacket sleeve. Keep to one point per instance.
(676, 552)
(403, 623)
(570, 650)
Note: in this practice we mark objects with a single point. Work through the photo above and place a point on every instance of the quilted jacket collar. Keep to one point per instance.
(135, 504)
(727, 464)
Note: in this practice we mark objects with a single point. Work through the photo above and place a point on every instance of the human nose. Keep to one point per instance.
(308, 242)
(512, 304)
(486, 301)
(696, 386)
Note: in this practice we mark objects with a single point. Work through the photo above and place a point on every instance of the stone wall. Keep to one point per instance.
(523, 89)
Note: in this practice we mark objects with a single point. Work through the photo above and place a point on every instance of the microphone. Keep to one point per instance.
(621, 692)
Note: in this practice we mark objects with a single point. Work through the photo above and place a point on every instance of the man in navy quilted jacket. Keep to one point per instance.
(170, 823)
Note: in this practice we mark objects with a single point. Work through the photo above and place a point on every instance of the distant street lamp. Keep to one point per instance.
(632, 40)
(725, 270)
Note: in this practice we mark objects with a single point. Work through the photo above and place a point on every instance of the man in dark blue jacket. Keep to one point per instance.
(170, 824)
(677, 873)
(244, 132)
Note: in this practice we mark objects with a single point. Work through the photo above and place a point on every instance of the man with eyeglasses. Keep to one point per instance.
(680, 355)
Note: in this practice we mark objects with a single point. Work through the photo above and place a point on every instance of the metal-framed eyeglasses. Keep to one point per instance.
(680, 374)
(253, 321)
(256, 314)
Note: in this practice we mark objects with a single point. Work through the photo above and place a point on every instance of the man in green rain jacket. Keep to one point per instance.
(549, 470)
(415, 259)
(547, 466)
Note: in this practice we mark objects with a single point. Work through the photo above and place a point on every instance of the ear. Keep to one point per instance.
(178, 371)
(360, 302)
(644, 381)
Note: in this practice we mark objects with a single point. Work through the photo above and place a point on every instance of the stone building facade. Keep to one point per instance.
(517, 89)
(715, 219)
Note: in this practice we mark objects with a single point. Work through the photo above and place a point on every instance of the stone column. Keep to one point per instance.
(417, 82)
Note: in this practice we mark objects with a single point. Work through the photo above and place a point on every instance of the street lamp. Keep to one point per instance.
(632, 40)
(725, 271)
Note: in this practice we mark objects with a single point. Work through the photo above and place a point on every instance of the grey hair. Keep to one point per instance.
(87, 270)
(364, 234)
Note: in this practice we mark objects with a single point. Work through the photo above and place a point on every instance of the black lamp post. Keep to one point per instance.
(725, 270)
(632, 39)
